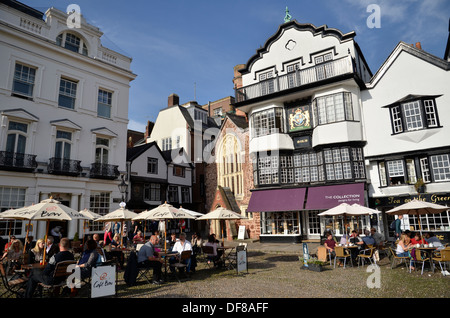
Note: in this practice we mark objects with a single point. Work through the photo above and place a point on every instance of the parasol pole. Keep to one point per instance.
(28, 231)
(45, 239)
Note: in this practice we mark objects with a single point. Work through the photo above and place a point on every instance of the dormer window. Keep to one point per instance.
(413, 113)
(72, 42)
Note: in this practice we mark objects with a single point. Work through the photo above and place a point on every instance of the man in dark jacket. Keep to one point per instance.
(46, 275)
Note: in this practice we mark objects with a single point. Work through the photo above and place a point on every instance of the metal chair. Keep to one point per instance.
(366, 254)
(395, 258)
(12, 284)
(442, 257)
(208, 250)
(419, 257)
(341, 253)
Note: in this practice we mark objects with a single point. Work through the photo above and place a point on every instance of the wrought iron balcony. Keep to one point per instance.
(17, 161)
(104, 171)
(65, 167)
(299, 78)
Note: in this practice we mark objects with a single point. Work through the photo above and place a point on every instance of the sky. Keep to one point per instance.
(190, 47)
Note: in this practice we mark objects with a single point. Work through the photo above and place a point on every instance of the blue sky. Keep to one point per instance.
(190, 47)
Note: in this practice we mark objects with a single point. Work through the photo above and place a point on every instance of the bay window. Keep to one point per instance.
(267, 122)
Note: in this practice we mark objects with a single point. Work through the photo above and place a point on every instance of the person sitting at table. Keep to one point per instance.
(115, 243)
(88, 259)
(37, 252)
(356, 240)
(431, 239)
(403, 246)
(46, 276)
(378, 237)
(7, 245)
(148, 258)
(172, 240)
(417, 239)
(138, 238)
(215, 257)
(330, 244)
(180, 246)
(345, 239)
(368, 239)
(51, 249)
(14, 256)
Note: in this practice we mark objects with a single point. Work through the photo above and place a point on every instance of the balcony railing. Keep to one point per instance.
(64, 167)
(17, 161)
(104, 171)
(295, 79)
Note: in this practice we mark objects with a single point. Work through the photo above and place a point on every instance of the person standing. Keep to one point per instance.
(398, 228)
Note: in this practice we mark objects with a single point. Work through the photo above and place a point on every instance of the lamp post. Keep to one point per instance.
(123, 188)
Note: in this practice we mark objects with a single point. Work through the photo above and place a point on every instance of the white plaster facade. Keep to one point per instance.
(31, 39)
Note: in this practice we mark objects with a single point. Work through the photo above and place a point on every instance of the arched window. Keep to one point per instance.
(72, 42)
(230, 170)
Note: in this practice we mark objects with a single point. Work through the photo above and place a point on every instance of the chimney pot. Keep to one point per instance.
(418, 45)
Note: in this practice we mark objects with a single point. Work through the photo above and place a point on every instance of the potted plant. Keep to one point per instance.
(420, 186)
(313, 264)
(76, 241)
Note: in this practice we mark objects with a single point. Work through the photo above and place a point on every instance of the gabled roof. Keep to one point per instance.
(409, 98)
(136, 151)
(239, 121)
(404, 47)
(324, 30)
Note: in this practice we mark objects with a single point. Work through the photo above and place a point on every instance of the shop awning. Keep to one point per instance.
(277, 200)
(327, 197)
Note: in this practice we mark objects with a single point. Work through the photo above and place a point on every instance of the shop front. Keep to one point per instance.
(291, 215)
(439, 224)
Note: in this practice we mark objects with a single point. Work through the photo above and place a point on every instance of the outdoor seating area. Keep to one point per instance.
(135, 259)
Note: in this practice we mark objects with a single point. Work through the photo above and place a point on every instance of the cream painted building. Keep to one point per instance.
(64, 114)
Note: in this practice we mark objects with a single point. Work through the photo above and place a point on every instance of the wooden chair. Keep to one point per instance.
(442, 257)
(185, 256)
(12, 284)
(341, 253)
(366, 254)
(396, 258)
(59, 277)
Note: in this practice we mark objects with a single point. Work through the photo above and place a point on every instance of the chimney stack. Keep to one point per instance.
(173, 100)
(237, 79)
(418, 45)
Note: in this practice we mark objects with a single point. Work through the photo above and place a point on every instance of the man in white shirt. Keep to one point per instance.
(180, 246)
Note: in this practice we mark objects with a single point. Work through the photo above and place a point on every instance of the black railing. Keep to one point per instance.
(298, 78)
(17, 161)
(104, 171)
(64, 166)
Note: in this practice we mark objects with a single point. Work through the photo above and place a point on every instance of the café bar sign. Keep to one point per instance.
(442, 199)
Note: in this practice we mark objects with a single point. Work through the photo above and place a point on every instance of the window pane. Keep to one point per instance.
(413, 115)
(440, 166)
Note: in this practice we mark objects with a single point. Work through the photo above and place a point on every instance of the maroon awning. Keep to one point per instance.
(327, 197)
(277, 200)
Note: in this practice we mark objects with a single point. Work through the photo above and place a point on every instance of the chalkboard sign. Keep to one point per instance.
(103, 281)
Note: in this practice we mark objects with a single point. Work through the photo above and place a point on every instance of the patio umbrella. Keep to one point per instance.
(164, 212)
(91, 217)
(417, 207)
(121, 214)
(221, 214)
(47, 210)
(345, 209)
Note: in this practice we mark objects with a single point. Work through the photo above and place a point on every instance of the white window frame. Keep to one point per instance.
(24, 77)
(69, 91)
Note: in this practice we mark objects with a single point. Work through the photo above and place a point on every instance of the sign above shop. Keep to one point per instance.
(437, 198)
(327, 197)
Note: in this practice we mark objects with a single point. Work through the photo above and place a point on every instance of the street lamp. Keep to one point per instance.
(123, 188)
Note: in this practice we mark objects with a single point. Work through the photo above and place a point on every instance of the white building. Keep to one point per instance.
(64, 114)
(154, 177)
(302, 94)
(189, 127)
(406, 117)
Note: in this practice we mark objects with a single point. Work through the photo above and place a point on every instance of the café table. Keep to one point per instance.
(166, 255)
